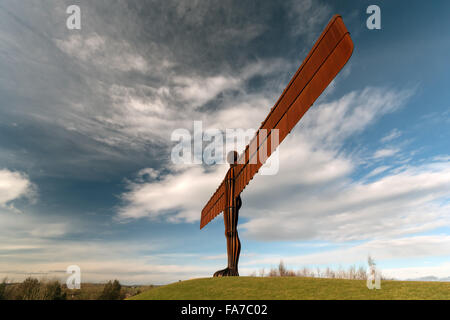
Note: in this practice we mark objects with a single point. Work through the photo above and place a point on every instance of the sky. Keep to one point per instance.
(86, 118)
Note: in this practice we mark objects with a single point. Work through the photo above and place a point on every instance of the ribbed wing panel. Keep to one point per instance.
(214, 206)
(328, 56)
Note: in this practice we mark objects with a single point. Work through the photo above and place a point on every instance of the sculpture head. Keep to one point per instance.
(232, 158)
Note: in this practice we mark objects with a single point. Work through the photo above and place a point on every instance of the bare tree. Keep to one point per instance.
(282, 269)
(262, 272)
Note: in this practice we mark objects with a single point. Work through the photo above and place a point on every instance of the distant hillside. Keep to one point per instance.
(429, 278)
(294, 288)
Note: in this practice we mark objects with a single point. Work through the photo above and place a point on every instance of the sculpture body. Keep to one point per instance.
(231, 217)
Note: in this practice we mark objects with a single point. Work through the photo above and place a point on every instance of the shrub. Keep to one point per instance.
(3, 290)
(28, 290)
(273, 273)
(33, 289)
(52, 291)
(111, 291)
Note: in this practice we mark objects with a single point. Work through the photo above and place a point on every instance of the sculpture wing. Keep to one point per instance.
(328, 56)
(214, 207)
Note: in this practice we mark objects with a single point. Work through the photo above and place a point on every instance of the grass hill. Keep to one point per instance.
(293, 288)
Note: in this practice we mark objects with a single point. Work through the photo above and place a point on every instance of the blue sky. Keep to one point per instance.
(86, 118)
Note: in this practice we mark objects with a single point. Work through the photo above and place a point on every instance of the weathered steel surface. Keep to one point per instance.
(230, 218)
(214, 206)
(328, 56)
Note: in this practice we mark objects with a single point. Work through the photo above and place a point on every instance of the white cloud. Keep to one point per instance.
(200, 90)
(103, 52)
(140, 115)
(441, 158)
(29, 229)
(314, 196)
(398, 204)
(394, 134)
(377, 171)
(49, 230)
(176, 197)
(384, 153)
(333, 122)
(13, 186)
(197, 90)
(308, 17)
(313, 183)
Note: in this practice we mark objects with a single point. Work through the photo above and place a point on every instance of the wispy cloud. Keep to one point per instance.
(377, 171)
(397, 204)
(104, 53)
(307, 17)
(318, 166)
(100, 104)
(394, 134)
(384, 153)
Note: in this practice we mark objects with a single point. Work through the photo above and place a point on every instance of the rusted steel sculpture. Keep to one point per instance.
(327, 57)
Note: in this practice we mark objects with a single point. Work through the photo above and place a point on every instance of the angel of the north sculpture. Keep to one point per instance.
(328, 56)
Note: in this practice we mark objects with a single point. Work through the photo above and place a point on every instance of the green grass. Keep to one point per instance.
(91, 291)
(294, 288)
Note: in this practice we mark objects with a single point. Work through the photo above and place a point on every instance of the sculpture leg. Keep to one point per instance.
(233, 243)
